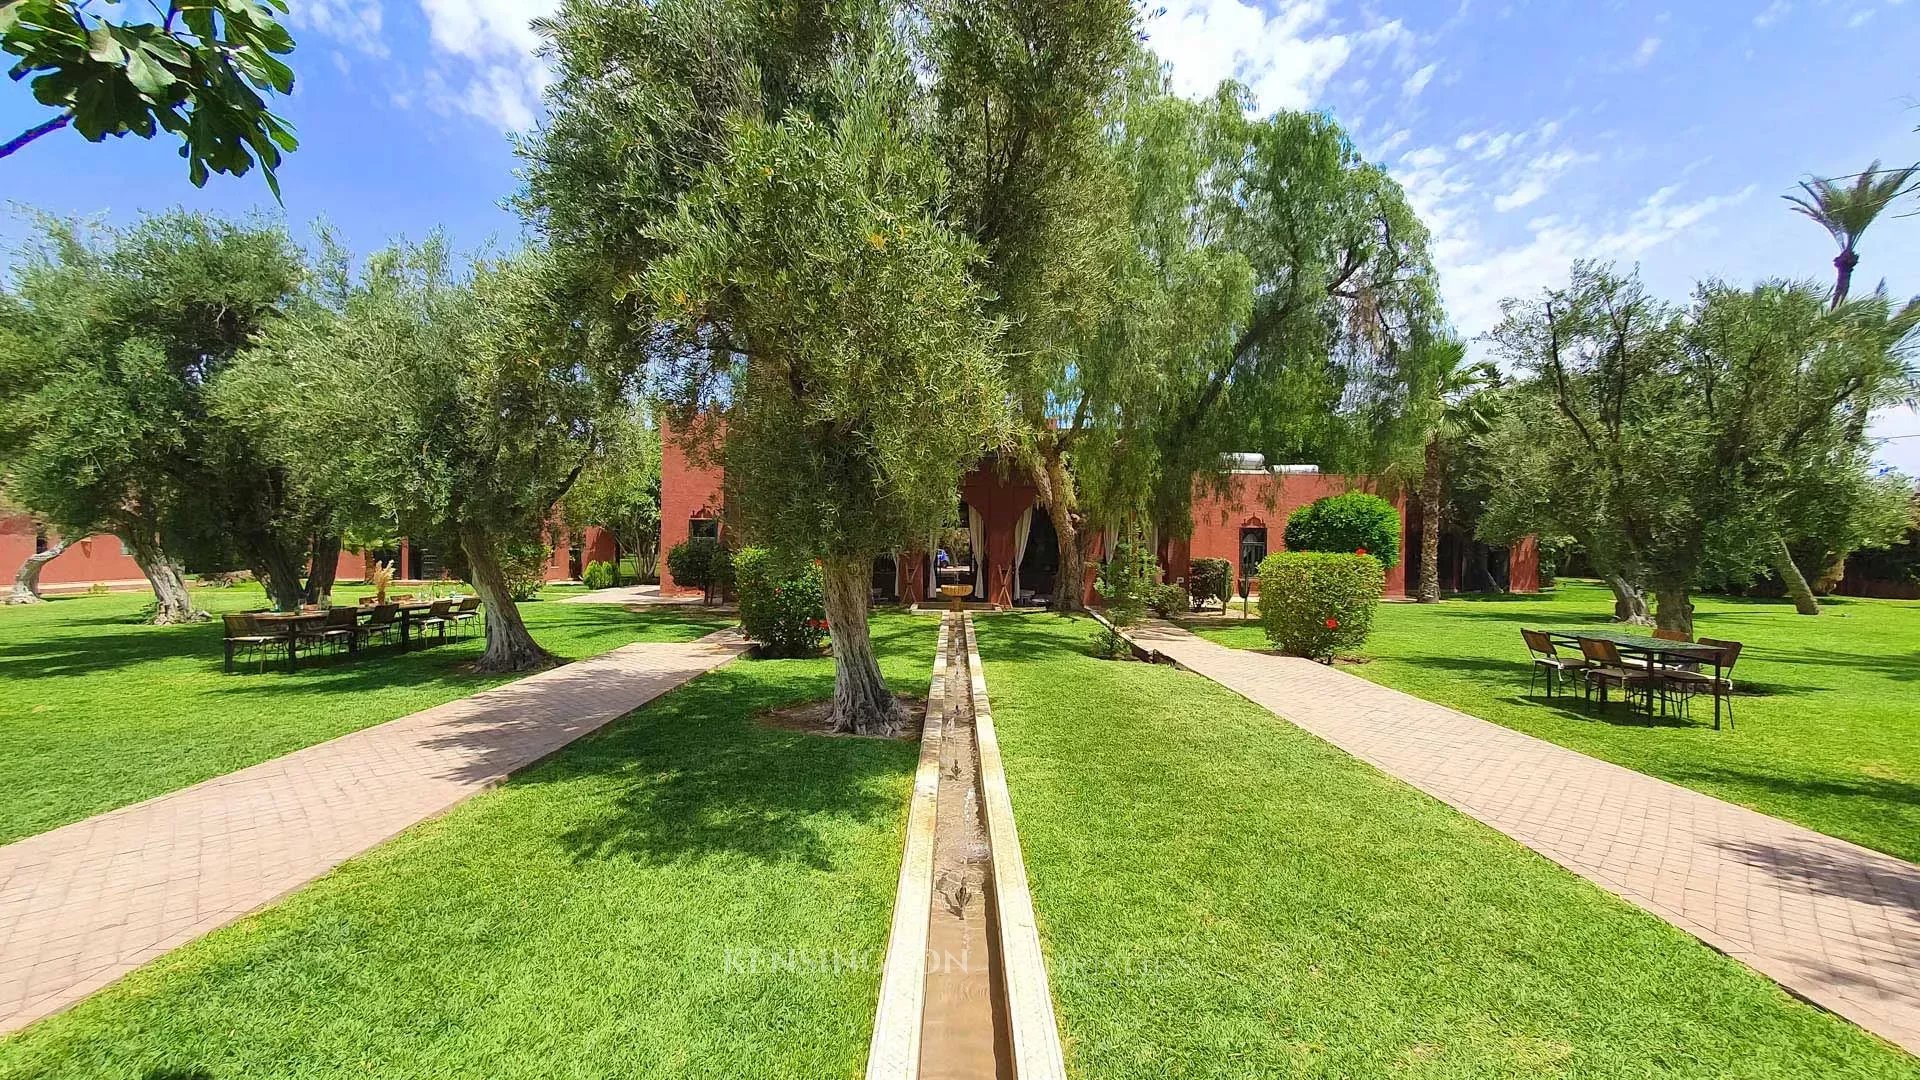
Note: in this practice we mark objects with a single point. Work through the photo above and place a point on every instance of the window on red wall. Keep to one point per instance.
(40, 544)
(703, 527)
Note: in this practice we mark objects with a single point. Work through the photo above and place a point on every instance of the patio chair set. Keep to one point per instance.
(1668, 667)
(263, 634)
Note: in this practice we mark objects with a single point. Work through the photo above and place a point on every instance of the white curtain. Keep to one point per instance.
(1020, 530)
(1109, 539)
(977, 526)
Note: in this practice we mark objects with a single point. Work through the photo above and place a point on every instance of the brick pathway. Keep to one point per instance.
(1831, 921)
(86, 903)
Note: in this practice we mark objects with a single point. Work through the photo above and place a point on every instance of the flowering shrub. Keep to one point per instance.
(1316, 604)
(1355, 523)
(782, 602)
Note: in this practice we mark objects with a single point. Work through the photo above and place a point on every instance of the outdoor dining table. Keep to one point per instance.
(1655, 651)
(407, 612)
(288, 623)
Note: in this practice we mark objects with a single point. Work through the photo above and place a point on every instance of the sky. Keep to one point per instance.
(1527, 133)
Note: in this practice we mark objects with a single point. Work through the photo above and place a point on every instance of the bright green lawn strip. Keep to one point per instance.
(1829, 739)
(98, 710)
(1223, 895)
(666, 899)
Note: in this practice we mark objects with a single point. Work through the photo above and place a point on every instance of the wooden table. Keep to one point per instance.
(288, 623)
(1653, 650)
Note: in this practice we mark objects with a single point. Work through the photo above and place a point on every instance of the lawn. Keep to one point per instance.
(1827, 735)
(685, 894)
(98, 709)
(1222, 895)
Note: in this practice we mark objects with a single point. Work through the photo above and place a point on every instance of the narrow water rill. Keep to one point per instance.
(964, 1027)
(964, 992)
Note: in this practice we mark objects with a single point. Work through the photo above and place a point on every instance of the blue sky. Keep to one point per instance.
(1528, 134)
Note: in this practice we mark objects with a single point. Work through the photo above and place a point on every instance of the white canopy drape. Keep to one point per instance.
(977, 528)
(1020, 530)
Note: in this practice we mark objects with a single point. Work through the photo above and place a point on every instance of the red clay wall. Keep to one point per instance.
(1266, 499)
(97, 558)
(687, 491)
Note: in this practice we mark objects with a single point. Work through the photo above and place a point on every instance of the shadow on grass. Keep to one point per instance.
(1852, 787)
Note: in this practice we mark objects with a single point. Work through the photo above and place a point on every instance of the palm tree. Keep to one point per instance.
(1846, 211)
(1460, 408)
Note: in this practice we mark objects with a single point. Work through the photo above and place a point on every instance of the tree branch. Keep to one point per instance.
(34, 132)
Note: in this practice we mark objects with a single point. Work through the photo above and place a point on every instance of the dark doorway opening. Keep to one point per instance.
(1040, 565)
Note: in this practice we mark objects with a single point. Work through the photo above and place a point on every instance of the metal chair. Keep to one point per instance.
(245, 634)
(468, 614)
(1546, 657)
(1690, 682)
(1606, 668)
(438, 617)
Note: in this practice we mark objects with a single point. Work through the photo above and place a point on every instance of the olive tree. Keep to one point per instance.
(109, 339)
(856, 371)
(619, 490)
(423, 398)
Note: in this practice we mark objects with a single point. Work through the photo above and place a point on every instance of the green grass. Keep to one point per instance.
(98, 709)
(624, 909)
(1827, 735)
(1223, 895)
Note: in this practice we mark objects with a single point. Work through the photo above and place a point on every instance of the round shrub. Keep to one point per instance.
(598, 575)
(1209, 579)
(782, 602)
(1354, 523)
(1317, 604)
(1169, 600)
(701, 562)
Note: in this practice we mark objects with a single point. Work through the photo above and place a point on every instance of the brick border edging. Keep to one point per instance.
(1035, 1032)
(894, 1052)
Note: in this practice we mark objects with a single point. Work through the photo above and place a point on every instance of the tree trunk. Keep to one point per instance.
(1793, 579)
(1843, 265)
(1830, 578)
(324, 567)
(172, 603)
(1055, 486)
(1430, 490)
(1479, 578)
(1629, 601)
(509, 646)
(1675, 611)
(862, 704)
(278, 571)
(26, 583)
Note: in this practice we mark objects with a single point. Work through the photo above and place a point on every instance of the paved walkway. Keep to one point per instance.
(631, 594)
(86, 903)
(1831, 921)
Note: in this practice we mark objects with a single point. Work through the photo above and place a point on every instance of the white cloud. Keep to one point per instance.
(495, 39)
(1536, 176)
(1417, 82)
(1286, 58)
(1774, 13)
(1644, 54)
(356, 22)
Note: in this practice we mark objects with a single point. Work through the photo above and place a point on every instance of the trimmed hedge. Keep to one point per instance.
(1168, 601)
(1355, 523)
(1209, 579)
(782, 602)
(701, 562)
(1317, 604)
(598, 575)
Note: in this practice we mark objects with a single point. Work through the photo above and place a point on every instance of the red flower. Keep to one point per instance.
(1333, 624)
(1360, 551)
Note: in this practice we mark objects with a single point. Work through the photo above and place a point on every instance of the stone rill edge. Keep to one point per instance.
(894, 1053)
(1037, 1053)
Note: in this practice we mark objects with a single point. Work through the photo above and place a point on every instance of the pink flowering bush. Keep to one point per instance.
(782, 602)
(1319, 604)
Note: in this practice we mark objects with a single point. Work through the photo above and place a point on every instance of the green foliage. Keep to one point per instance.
(198, 74)
(1126, 583)
(782, 602)
(524, 565)
(1168, 600)
(1209, 580)
(598, 574)
(701, 562)
(619, 488)
(1354, 523)
(1318, 604)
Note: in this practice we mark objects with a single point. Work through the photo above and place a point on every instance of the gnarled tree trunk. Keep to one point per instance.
(1790, 576)
(172, 603)
(1629, 601)
(1430, 526)
(1055, 487)
(509, 646)
(26, 582)
(861, 701)
(324, 568)
(278, 571)
(1479, 579)
(1674, 610)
